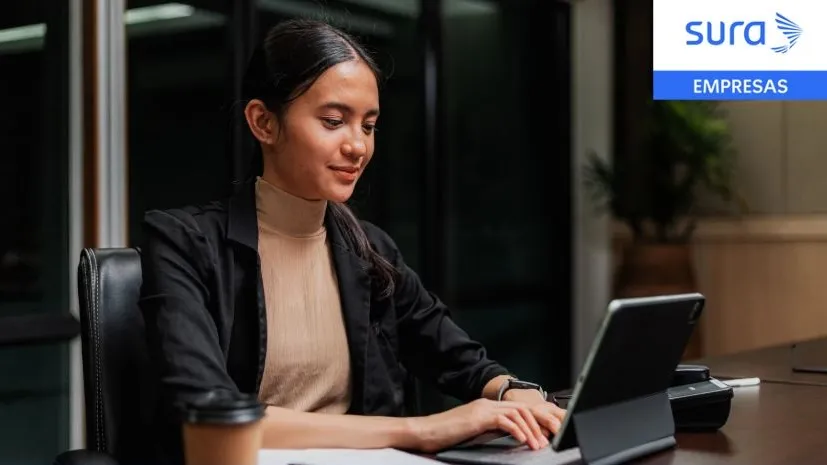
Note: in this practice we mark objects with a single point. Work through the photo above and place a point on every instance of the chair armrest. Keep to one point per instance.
(84, 457)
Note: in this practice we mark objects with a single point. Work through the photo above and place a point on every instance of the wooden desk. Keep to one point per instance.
(783, 421)
(769, 424)
(772, 364)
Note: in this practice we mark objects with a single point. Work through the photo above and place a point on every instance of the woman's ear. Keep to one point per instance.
(261, 121)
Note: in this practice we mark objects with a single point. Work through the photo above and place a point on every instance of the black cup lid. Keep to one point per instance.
(223, 408)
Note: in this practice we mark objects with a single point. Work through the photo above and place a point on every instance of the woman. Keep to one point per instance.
(280, 291)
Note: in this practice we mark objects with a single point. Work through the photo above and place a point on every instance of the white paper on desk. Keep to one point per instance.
(340, 457)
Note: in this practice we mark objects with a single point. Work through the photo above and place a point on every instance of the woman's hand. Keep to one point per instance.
(436, 432)
(548, 415)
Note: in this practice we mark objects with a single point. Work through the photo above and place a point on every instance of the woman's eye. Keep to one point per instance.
(369, 128)
(332, 122)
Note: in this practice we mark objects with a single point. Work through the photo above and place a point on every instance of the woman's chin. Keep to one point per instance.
(340, 193)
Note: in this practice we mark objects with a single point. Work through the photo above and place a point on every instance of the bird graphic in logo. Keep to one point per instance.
(791, 31)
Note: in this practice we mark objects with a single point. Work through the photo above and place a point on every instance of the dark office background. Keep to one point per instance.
(470, 176)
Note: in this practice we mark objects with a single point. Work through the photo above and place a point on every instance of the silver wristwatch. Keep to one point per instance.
(513, 383)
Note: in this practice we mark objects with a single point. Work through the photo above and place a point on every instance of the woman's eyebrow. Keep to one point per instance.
(344, 108)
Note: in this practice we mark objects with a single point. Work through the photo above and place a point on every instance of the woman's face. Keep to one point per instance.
(326, 138)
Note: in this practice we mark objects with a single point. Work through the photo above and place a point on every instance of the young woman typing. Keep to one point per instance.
(279, 291)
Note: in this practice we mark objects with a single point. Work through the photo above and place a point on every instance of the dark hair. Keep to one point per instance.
(292, 57)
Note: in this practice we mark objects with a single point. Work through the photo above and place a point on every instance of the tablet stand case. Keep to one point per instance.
(624, 431)
(701, 407)
(699, 402)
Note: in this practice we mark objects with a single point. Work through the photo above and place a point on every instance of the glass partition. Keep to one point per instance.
(34, 186)
(507, 164)
(178, 105)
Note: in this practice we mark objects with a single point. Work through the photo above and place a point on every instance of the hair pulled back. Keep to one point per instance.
(291, 58)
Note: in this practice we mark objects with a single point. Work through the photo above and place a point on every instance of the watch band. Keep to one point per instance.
(514, 383)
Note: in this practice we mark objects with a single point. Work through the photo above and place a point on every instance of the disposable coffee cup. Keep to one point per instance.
(223, 430)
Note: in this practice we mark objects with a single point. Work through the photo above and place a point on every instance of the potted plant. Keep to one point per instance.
(655, 193)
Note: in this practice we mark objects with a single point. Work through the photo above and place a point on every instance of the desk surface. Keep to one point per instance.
(782, 421)
(769, 424)
(773, 364)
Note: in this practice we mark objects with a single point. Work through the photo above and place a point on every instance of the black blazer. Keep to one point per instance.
(203, 303)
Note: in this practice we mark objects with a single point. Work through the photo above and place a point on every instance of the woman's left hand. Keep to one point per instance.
(547, 414)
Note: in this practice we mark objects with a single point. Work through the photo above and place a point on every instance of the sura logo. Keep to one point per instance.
(742, 33)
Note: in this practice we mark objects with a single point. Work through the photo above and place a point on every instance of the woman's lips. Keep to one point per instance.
(346, 173)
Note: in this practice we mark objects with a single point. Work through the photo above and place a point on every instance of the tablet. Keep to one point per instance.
(619, 402)
(638, 345)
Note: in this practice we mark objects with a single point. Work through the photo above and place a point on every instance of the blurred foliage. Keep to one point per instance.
(688, 147)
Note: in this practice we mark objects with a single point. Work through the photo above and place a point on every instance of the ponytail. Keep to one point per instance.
(381, 269)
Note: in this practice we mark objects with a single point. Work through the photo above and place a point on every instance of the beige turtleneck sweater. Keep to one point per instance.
(307, 364)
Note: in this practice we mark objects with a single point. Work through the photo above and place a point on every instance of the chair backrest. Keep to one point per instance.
(119, 386)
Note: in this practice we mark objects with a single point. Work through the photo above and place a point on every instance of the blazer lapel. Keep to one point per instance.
(242, 228)
(355, 294)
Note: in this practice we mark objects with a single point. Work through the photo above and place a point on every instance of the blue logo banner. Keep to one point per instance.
(739, 50)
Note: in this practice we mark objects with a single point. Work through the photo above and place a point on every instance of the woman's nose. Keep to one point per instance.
(355, 148)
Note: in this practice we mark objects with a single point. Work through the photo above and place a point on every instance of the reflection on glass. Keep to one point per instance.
(21, 65)
(502, 140)
(489, 151)
(33, 242)
(178, 113)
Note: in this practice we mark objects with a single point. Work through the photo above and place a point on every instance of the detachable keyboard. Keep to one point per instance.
(507, 451)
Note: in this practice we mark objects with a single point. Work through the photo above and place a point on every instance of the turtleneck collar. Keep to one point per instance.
(287, 214)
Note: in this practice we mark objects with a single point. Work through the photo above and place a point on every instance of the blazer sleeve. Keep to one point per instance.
(182, 336)
(432, 346)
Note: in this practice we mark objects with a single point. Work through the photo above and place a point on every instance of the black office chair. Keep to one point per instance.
(119, 387)
(118, 383)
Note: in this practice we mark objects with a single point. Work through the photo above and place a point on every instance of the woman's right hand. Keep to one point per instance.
(446, 429)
